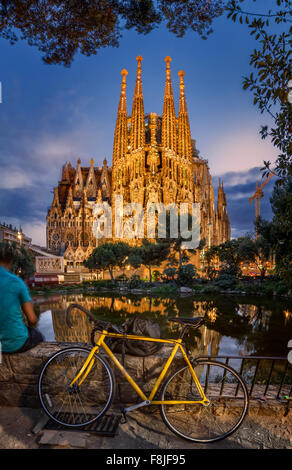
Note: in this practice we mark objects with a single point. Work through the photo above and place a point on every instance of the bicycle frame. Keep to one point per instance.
(87, 366)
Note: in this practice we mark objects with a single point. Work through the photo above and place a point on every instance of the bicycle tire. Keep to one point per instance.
(189, 421)
(53, 386)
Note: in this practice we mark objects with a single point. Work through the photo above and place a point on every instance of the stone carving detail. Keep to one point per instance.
(49, 265)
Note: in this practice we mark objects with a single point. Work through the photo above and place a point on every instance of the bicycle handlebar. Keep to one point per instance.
(83, 309)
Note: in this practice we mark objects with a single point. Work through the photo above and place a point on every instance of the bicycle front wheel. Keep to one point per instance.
(228, 402)
(78, 405)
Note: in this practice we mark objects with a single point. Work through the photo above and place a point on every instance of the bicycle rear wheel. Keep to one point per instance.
(228, 405)
(78, 405)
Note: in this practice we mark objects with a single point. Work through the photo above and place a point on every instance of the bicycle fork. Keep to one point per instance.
(85, 369)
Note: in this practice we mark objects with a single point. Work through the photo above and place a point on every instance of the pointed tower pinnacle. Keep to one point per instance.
(69, 200)
(120, 139)
(169, 136)
(65, 173)
(137, 118)
(56, 200)
(221, 196)
(184, 132)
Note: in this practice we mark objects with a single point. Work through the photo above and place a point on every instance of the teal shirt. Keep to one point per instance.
(13, 293)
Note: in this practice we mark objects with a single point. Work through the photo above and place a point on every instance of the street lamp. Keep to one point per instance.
(19, 236)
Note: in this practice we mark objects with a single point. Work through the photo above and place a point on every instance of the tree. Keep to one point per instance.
(108, 256)
(23, 264)
(151, 254)
(269, 80)
(177, 244)
(278, 232)
(233, 252)
(210, 257)
(169, 273)
(263, 253)
(62, 28)
(186, 274)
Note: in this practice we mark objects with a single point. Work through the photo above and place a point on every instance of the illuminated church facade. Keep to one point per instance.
(154, 160)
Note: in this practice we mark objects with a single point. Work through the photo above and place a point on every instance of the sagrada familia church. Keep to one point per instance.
(154, 160)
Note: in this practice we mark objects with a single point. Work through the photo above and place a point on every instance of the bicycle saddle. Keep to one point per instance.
(194, 322)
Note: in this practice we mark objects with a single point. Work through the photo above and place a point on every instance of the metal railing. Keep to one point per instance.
(266, 377)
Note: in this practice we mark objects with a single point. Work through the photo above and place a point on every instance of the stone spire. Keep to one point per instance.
(65, 173)
(221, 200)
(78, 180)
(91, 185)
(137, 118)
(184, 132)
(56, 201)
(121, 139)
(169, 136)
(69, 200)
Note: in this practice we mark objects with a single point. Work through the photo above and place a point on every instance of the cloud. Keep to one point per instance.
(33, 152)
(238, 149)
(14, 178)
(37, 231)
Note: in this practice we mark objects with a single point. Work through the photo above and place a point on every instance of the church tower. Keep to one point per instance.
(154, 160)
(136, 158)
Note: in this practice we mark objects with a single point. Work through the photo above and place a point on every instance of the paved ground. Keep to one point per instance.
(142, 431)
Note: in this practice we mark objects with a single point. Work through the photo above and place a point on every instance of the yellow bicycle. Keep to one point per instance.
(204, 401)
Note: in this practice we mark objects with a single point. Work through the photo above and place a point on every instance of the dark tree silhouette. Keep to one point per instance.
(62, 28)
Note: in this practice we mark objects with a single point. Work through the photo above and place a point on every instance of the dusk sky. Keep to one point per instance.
(51, 114)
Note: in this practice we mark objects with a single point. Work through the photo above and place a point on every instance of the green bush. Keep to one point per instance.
(165, 289)
(225, 280)
(169, 273)
(277, 287)
(186, 274)
(135, 282)
(103, 283)
(211, 289)
(156, 275)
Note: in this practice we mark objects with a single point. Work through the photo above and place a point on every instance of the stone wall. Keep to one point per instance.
(19, 379)
(19, 374)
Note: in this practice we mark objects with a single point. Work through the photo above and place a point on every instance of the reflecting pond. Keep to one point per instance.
(234, 325)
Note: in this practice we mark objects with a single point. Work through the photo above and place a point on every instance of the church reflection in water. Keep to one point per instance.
(120, 309)
(232, 326)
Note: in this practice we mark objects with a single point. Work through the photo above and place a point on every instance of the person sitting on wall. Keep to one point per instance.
(15, 335)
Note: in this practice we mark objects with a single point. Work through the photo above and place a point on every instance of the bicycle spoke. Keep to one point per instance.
(79, 404)
(198, 422)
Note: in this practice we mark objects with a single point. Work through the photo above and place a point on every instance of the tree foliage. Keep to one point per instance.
(62, 28)
(149, 254)
(187, 274)
(232, 253)
(23, 264)
(270, 76)
(108, 257)
(278, 232)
